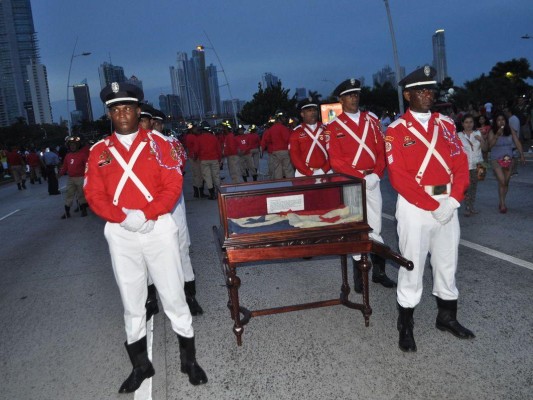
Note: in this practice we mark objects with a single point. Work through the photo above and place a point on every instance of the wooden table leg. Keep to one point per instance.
(345, 288)
(234, 282)
(364, 265)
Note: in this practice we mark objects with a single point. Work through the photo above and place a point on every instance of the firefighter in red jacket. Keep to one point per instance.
(74, 167)
(231, 153)
(17, 165)
(210, 156)
(307, 145)
(133, 180)
(244, 150)
(276, 140)
(356, 148)
(193, 133)
(429, 170)
(255, 143)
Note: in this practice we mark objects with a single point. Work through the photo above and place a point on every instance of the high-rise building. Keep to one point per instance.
(269, 80)
(195, 85)
(439, 55)
(227, 107)
(40, 98)
(387, 74)
(214, 92)
(301, 93)
(169, 104)
(135, 81)
(18, 49)
(110, 73)
(82, 99)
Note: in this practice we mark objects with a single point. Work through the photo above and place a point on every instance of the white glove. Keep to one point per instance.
(444, 212)
(147, 227)
(134, 220)
(372, 181)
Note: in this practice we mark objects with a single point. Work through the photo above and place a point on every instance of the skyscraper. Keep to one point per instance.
(214, 93)
(40, 98)
(18, 48)
(110, 73)
(439, 55)
(386, 74)
(135, 81)
(301, 93)
(82, 98)
(269, 80)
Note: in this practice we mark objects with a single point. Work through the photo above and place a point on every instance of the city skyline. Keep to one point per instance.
(299, 56)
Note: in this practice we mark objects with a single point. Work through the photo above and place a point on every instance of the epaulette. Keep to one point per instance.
(157, 133)
(373, 115)
(100, 141)
(394, 124)
(443, 117)
(296, 127)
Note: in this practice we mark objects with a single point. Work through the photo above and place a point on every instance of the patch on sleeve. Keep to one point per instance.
(388, 146)
(389, 138)
(390, 159)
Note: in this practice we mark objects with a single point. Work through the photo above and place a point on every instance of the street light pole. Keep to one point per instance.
(396, 60)
(69, 122)
(225, 77)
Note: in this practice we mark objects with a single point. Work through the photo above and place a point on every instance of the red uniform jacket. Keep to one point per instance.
(230, 145)
(299, 146)
(243, 144)
(405, 154)
(342, 147)
(34, 160)
(276, 138)
(207, 147)
(14, 158)
(74, 164)
(157, 167)
(190, 144)
(255, 140)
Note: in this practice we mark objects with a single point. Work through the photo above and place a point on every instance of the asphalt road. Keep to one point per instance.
(62, 330)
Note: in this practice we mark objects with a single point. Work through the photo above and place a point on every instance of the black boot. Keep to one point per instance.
(405, 327)
(19, 186)
(190, 296)
(378, 272)
(196, 194)
(245, 178)
(212, 195)
(83, 208)
(66, 214)
(357, 277)
(254, 177)
(142, 367)
(24, 184)
(447, 320)
(152, 307)
(189, 365)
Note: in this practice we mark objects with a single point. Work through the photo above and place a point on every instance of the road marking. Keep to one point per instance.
(145, 391)
(11, 213)
(486, 250)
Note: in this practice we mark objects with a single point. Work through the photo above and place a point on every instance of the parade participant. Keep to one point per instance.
(276, 140)
(210, 156)
(145, 120)
(246, 160)
(133, 180)
(17, 166)
(35, 164)
(255, 144)
(356, 148)
(429, 170)
(190, 144)
(231, 152)
(51, 162)
(74, 167)
(180, 217)
(307, 145)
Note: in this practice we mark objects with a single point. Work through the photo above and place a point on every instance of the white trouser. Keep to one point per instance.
(184, 240)
(419, 234)
(319, 171)
(374, 204)
(133, 255)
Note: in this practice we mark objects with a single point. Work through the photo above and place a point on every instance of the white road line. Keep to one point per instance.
(485, 250)
(11, 213)
(145, 391)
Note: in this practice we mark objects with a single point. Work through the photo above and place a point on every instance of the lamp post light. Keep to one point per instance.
(200, 47)
(396, 60)
(74, 55)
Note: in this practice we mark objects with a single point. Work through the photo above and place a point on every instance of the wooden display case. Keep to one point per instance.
(295, 218)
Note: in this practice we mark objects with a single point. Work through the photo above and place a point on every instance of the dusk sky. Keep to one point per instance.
(311, 44)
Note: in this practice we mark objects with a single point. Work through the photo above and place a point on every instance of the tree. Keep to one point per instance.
(265, 103)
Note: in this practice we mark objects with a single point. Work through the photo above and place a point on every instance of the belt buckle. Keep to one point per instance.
(440, 189)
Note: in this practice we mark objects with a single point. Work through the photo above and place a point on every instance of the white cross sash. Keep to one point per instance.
(314, 144)
(361, 141)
